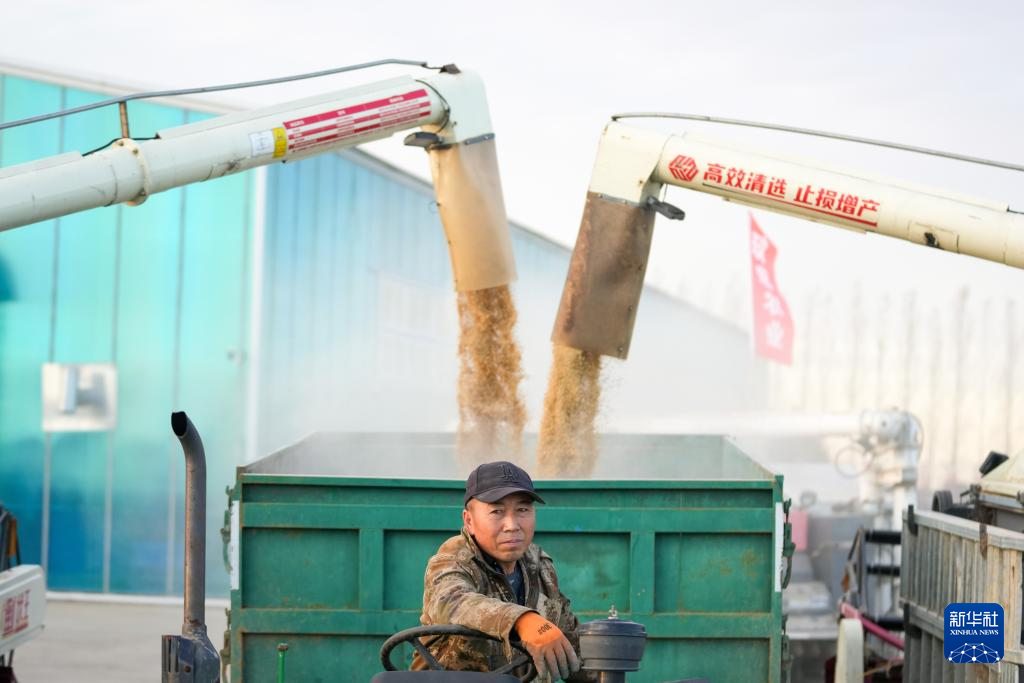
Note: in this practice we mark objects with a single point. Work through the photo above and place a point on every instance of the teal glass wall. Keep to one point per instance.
(161, 291)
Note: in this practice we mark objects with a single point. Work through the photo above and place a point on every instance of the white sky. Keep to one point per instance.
(938, 74)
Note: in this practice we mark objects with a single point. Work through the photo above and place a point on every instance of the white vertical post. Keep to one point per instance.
(850, 652)
(252, 395)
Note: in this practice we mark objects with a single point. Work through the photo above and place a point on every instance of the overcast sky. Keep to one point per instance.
(938, 74)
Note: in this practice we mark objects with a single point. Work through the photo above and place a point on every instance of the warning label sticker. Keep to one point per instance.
(268, 142)
(338, 124)
(262, 143)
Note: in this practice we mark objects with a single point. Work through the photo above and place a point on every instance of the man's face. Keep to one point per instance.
(503, 529)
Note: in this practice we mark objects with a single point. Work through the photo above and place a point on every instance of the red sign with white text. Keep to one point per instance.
(773, 325)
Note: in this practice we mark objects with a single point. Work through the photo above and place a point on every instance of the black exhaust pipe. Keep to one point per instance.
(191, 656)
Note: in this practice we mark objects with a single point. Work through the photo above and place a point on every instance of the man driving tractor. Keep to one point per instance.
(492, 578)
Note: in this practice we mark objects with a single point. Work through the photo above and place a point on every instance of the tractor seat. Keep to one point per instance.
(442, 677)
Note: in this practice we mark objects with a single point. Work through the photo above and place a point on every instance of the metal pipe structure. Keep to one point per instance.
(855, 201)
(191, 656)
(633, 166)
(195, 520)
(449, 106)
(130, 171)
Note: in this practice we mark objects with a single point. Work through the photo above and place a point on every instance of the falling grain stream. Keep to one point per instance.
(567, 446)
(491, 411)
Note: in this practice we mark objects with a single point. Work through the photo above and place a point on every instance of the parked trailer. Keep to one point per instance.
(947, 559)
(329, 538)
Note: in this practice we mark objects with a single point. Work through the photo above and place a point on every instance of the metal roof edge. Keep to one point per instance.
(99, 84)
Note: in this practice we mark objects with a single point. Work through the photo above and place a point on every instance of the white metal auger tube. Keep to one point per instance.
(633, 165)
(464, 166)
(450, 104)
(846, 199)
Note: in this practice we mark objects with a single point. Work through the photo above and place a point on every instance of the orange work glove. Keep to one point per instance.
(547, 645)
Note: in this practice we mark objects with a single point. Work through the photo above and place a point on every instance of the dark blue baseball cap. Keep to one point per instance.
(492, 481)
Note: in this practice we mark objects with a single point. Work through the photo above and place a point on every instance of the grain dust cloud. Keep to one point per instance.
(567, 446)
(491, 410)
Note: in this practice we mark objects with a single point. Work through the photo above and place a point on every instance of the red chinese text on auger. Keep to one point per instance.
(824, 200)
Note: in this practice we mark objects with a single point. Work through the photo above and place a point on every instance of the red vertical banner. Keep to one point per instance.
(773, 325)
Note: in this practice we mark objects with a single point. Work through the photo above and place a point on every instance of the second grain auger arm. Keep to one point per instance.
(606, 273)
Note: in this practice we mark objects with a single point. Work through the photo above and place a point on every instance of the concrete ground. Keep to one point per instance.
(100, 641)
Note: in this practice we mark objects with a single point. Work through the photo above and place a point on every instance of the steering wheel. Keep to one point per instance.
(413, 635)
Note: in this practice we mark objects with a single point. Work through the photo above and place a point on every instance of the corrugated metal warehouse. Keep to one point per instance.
(268, 305)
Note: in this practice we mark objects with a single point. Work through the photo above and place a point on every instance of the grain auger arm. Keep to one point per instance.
(606, 273)
(448, 107)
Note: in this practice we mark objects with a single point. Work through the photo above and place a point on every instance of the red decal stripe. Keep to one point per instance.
(355, 109)
(307, 142)
(300, 133)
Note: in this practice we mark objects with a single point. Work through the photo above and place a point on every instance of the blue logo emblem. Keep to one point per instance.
(974, 632)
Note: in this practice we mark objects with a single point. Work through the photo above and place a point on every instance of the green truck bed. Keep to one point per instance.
(329, 539)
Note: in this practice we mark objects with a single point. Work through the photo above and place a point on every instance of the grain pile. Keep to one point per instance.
(568, 439)
(491, 411)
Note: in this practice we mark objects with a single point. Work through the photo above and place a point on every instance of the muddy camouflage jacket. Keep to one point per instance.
(461, 587)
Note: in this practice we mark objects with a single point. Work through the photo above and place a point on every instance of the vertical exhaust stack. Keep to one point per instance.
(191, 656)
